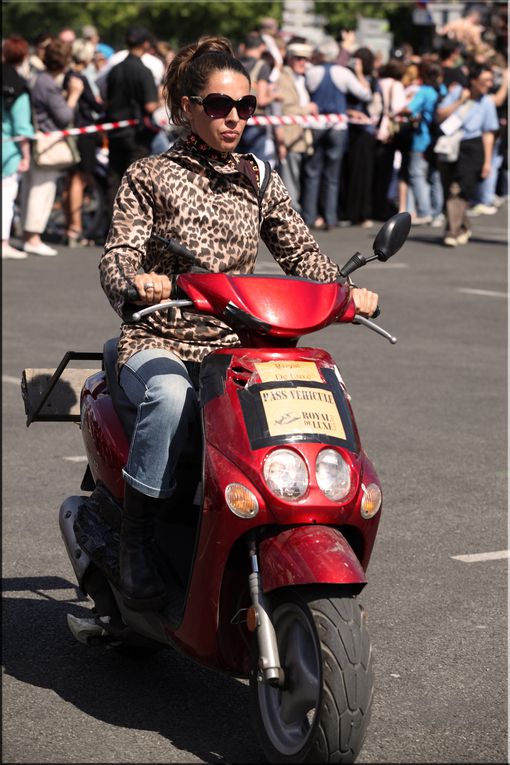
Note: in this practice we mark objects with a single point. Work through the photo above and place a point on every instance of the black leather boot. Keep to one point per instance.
(141, 585)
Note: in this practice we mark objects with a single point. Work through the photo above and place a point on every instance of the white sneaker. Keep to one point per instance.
(481, 209)
(438, 221)
(424, 220)
(40, 249)
(450, 241)
(12, 253)
(464, 237)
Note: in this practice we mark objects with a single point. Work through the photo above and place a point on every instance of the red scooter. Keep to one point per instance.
(265, 543)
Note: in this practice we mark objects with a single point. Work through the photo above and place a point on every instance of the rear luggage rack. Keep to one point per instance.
(54, 396)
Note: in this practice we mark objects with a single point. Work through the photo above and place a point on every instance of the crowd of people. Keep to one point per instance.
(386, 151)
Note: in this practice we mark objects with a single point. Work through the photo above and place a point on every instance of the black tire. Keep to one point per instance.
(322, 713)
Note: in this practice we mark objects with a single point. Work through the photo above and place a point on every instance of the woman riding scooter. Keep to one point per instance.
(216, 203)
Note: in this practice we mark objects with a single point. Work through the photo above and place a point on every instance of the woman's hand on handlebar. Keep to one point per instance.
(152, 288)
(365, 301)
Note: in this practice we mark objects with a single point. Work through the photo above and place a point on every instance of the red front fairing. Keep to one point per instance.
(237, 442)
(236, 420)
(237, 431)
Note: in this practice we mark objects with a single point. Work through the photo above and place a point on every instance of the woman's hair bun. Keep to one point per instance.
(210, 44)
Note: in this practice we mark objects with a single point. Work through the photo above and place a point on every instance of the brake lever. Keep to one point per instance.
(375, 327)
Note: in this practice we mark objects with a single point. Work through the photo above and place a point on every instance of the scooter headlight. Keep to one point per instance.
(285, 474)
(333, 474)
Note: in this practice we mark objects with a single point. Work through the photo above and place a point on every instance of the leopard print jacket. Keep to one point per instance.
(207, 203)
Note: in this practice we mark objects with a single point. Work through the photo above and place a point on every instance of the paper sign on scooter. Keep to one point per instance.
(273, 371)
(301, 410)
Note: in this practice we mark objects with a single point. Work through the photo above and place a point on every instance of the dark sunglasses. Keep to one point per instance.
(218, 105)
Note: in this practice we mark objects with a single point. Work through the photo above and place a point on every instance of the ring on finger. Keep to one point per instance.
(148, 286)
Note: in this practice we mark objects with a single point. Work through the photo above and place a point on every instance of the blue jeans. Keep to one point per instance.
(321, 175)
(157, 383)
(425, 182)
(289, 171)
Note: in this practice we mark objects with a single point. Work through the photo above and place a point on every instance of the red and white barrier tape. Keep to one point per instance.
(77, 131)
(317, 121)
(309, 120)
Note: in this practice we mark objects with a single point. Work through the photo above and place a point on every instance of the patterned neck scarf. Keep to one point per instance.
(193, 141)
(246, 165)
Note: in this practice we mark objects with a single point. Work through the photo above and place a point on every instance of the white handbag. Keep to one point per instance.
(447, 147)
(55, 153)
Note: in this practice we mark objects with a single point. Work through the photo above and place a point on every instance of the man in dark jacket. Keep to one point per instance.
(449, 57)
(131, 94)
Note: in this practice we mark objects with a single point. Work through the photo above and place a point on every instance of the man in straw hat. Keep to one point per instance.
(294, 142)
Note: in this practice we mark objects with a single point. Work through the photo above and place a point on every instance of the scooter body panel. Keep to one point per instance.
(105, 441)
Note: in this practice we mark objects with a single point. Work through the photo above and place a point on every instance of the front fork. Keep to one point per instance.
(259, 621)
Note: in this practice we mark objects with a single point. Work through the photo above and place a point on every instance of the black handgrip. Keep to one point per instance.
(355, 261)
(376, 313)
(131, 294)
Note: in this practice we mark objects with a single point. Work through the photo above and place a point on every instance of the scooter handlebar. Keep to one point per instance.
(131, 295)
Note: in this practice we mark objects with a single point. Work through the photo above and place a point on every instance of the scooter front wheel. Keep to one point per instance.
(322, 711)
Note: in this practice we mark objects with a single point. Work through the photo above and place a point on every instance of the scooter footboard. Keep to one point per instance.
(308, 555)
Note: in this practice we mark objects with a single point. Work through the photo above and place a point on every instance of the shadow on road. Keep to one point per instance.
(197, 710)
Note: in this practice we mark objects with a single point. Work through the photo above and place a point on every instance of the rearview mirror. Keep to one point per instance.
(392, 236)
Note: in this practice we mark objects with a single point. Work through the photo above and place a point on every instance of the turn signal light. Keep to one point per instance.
(241, 501)
(371, 501)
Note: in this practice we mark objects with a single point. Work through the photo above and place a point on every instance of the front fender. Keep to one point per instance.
(308, 555)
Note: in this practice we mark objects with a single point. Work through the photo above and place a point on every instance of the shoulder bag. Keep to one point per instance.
(447, 147)
(389, 127)
(54, 152)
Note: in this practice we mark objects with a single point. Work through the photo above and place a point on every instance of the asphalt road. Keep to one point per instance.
(432, 413)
